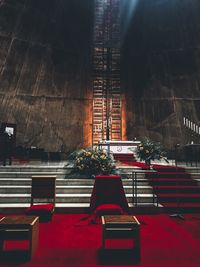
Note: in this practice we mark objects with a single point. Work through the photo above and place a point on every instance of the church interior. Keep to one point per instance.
(100, 133)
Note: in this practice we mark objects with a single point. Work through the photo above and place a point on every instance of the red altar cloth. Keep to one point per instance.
(108, 189)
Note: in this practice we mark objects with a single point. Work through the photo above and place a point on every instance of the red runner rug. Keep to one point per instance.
(173, 186)
(164, 242)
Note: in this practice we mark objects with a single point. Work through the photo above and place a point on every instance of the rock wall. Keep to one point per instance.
(161, 69)
(44, 71)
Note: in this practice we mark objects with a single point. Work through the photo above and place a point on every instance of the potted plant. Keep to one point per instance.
(93, 161)
(150, 150)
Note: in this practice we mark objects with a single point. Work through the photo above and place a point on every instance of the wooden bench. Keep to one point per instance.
(19, 228)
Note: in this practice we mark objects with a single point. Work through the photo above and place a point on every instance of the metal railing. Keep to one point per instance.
(135, 181)
(194, 127)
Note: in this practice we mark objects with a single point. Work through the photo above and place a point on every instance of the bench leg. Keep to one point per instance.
(1, 245)
(33, 239)
(137, 242)
(103, 236)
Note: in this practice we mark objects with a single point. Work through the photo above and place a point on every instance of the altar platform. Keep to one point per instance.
(72, 194)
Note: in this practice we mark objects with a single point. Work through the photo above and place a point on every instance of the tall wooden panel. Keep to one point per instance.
(106, 72)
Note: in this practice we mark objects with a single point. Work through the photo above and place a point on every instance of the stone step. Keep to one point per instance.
(80, 189)
(66, 198)
(195, 176)
(13, 206)
(33, 169)
(64, 167)
(59, 181)
(62, 174)
(62, 181)
(129, 170)
(15, 189)
(15, 186)
(15, 181)
(29, 174)
(192, 169)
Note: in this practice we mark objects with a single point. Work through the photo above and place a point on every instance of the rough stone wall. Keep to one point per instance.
(44, 71)
(161, 69)
(45, 49)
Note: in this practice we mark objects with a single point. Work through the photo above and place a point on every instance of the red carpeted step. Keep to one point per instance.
(141, 165)
(171, 184)
(178, 188)
(182, 204)
(124, 157)
(178, 197)
(171, 175)
(166, 181)
(167, 168)
(171, 180)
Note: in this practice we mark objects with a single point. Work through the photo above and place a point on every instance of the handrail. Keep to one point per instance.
(194, 127)
(135, 185)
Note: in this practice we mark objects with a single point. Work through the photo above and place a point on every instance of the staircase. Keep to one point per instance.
(192, 126)
(191, 131)
(176, 189)
(71, 194)
(124, 157)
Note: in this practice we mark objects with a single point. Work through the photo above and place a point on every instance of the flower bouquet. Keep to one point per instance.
(150, 150)
(93, 161)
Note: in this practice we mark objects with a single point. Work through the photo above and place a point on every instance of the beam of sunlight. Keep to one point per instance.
(128, 11)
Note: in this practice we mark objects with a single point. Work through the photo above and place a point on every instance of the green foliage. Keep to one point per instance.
(94, 161)
(150, 150)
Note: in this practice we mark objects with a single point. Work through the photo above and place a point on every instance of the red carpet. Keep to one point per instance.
(141, 165)
(173, 186)
(165, 242)
(124, 157)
